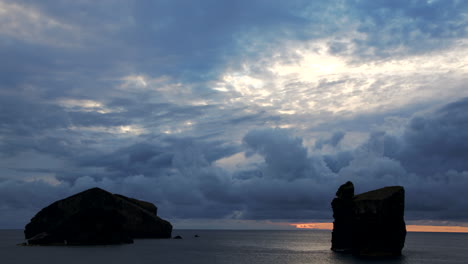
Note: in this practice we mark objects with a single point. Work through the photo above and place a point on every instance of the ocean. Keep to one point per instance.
(232, 247)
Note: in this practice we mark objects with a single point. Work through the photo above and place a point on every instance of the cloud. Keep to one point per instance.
(437, 143)
(289, 183)
(233, 110)
(427, 159)
(285, 157)
(416, 26)
(333, 141)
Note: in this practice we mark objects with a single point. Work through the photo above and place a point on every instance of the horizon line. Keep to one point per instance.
(409, 228)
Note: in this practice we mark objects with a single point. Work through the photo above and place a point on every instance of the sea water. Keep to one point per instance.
(224, 246)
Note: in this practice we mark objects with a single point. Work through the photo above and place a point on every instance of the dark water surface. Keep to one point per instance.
(223, 246)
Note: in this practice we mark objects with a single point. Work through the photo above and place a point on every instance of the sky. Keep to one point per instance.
(235, 114)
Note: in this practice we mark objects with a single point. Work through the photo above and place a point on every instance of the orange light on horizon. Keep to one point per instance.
(444, 229)
(409, 228)
(326, 226)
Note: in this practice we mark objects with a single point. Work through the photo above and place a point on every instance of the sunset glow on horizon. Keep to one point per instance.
(409, 228)
(246, 114)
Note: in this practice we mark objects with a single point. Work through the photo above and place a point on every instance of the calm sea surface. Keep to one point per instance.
(221, 246)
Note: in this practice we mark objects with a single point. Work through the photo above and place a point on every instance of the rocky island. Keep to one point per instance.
(96, 217)
(370, 224)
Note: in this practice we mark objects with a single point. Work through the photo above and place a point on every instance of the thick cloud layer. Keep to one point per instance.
(288, 182)
(242, 110)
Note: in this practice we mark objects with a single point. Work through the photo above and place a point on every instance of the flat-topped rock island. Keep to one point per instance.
(96, 217)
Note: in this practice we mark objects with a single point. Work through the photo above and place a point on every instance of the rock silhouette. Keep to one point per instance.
(343, 212)
(96, 216)
(370, 224)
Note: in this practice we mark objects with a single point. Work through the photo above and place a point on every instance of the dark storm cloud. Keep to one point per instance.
(338, 161)
(430, 144)
(26, 123)
(178, 176)
(34, 194)
(29, 124)
(429, 159)
(145, 159)
(23, 116)
(426, 159)
(333, 141)
(151, 65)
(305, 198)
(437, 143)
(50, 72)
(285, 157)
(155, 159)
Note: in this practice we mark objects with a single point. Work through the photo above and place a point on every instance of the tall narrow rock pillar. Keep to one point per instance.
(343, 212)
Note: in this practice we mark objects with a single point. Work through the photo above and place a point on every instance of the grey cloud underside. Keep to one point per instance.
(333, 141)
(49, 149)
(290, 183)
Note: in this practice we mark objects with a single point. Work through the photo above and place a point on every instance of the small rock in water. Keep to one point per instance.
(177, 237)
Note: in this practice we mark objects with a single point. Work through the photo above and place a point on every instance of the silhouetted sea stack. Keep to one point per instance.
(370, 224)
(95, 217)
(343, 212)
